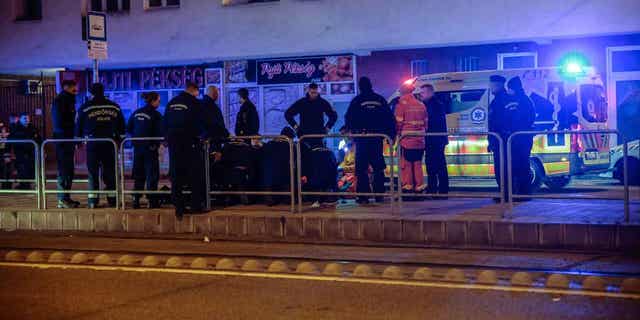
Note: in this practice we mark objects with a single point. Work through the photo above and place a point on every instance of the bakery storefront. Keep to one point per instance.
(274, 84)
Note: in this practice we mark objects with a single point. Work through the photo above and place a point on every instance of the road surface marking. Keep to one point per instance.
(412, 283)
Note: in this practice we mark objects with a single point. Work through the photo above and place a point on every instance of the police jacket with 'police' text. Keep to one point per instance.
(369, 113)
(145, 122)
(100, 118)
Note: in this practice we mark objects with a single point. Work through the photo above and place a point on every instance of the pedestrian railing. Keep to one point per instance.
(389, 194)
(123, 188)
(290, 193)
(36, 180)
(513, 196)
(43, 178)
(495, 195)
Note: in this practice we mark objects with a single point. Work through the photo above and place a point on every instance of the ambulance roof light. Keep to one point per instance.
(573, 64)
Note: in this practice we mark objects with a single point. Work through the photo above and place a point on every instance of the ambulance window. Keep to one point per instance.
(593, 103)
(462, 100)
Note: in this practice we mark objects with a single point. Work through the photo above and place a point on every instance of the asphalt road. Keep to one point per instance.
(82, 292)
(28, 293)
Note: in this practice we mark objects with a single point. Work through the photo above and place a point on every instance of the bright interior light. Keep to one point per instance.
(408, 82)
(573, 67)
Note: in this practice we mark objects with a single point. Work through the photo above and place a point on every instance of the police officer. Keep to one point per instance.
(369, 113)
(63, 112)
(521, 114)
(100, 118)
(184, 124)
(312, 109)
(435, 159)
(497, 123)
(146, 122)
(247, 120)
(214, 112)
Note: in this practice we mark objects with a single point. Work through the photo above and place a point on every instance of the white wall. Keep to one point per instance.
(204, 31)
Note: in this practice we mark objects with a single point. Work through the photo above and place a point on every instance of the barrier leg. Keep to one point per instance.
(291, 177)
(299, 174)
(122, 180)
(207, 177)
(625, 173)
(509, 177)
(43, 177)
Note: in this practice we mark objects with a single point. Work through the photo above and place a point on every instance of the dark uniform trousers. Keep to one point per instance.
(186, 162)
(64, 158)
(521, 152)
(521, 172)
(101, 158)
(369, 153)
(436, 162)
(146, 168)
(26, 167)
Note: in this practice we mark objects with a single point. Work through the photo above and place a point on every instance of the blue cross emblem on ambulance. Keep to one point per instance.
(478, 115)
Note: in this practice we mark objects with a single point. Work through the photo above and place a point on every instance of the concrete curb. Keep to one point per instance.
(523, 280)
(335, 229)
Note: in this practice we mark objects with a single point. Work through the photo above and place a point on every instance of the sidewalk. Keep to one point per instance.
(592, 225)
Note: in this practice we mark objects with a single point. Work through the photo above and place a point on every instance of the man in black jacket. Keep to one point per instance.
(146, 122)
(497, 124)
(312, 109)
(25, 153)
(434, 146)
(369, 113)
(213, 111)
(247, 121)
(521, 115)
(100, 118)
(184, 123)
(63, 112)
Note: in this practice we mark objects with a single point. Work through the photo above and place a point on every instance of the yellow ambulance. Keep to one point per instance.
(563, 101)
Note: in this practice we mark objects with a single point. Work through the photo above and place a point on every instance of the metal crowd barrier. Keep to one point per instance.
(458, 194)
(122, 179)
(36, 180)
(43, 171)
(579, 132)
(290, 193)
(390, 194)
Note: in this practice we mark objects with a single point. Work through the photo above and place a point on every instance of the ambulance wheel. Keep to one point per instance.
(537, 174)
(557, 183)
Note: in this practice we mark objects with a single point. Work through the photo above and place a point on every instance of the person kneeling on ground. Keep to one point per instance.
(276, 167)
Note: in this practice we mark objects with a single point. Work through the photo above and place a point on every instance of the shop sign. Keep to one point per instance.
(305, 70)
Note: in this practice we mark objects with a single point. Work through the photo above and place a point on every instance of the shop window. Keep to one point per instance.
(158, 4)
(28, 10)
(111, 6)
(419, 67)
(227, 3)
(517, 60)
(464, 64)
(625, 61)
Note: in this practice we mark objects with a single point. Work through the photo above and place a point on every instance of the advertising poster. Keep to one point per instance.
(213, 77)
(343, 88)
(233, 106)
(305, 70)
(276, 100)
(322, 89)
(239, 71)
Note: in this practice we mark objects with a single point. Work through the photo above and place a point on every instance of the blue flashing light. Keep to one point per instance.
(573, 65)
